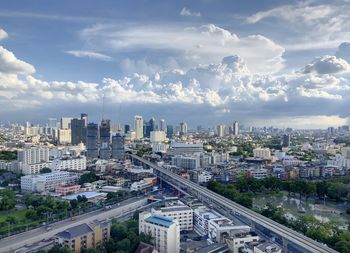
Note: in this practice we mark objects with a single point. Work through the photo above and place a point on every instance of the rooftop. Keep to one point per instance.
(88, 195)
(160, 220)
(75, 231)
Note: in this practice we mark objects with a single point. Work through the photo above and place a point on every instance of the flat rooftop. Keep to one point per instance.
(160, 220)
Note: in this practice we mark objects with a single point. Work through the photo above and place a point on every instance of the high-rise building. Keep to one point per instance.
(126, 129)
(105, 139)
(92, 140)
(286, 140)
(162, 125)
(235, 128)
(221, 130)
(78, 127)
(84, 117)
(183, 128)
(157, 136)
(65, 123)
(169, 131)
(138, 127)
(52, 123)
(118, 150)
(165, 231)
(64, 136)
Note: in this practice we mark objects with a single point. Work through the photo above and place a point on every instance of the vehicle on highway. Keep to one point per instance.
(74, 218)
(108, 207)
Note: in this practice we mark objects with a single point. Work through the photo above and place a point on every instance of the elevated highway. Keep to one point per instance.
(288, 235)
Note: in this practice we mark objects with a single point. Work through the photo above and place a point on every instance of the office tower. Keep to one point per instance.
(331, 130)
(138, 127)
(162, 125)
(165, 231)
(157, 136)
(92, 140)
(126, 128)
(65, 123)
(118, 150)
(149, 127)
(235, 128)
(84, 117)
(169, 131)
(286, 140)
(221, 130)
(78, 128)
(183, 129)
(52, 123)
(105, 139)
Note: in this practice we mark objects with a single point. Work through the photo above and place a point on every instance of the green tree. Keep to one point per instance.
(31, 214)
(88, 178)
(8, 200)
(337, 191)
(118, 232)
(321, 189)
(124, 245)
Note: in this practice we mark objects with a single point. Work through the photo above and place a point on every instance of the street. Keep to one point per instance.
(17, 241)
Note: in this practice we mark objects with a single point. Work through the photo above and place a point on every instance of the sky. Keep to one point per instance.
(262, 63)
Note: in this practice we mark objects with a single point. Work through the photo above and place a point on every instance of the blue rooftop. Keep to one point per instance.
(160, 220)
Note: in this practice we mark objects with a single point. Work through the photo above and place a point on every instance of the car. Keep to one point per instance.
(48, 228)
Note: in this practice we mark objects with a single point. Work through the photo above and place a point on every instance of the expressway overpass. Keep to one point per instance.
(211, 198)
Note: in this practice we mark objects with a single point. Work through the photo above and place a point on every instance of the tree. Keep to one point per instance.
(8, 200)
(11, 219)
(31, 214)
(321, 189)
(336, 191)
(124, 245)
(118, 232)
(88, 178)
(74, 204)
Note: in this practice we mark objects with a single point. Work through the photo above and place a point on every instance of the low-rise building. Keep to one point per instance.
(236, 241)
(47, 181)
(220, 228)
(84, 236)
(67, 189)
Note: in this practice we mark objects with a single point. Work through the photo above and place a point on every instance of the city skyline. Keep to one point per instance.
(279, 63)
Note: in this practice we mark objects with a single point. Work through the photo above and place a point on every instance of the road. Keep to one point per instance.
(283, 231)
(8, 244)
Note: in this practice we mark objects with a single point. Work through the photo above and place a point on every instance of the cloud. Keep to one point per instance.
(344, 51)
(208, 93)
(187, 12)
(3, 34)
(188, 45)
(9, 64)
(90, 55)
(309, 24)
(327, 65)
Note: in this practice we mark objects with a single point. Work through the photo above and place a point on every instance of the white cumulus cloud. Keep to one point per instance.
(327, 64)
(187, 12)
(3, 34)
(9, 64)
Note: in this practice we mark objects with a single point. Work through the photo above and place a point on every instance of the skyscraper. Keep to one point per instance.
(52, 123)
(162, 125)
(78, 127)
(183, 129)
(126, 128)
(105, 139)
(138, 127)
(169, 131)
(92, 140)
(221, 130)
(235, 128)
(118, 150)
(65, 123)
(286, 140)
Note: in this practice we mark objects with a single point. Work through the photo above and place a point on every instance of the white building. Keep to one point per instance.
(180, 148)
(258, 173)
(33, 155)
(220, 130)
(219, 157)
(141, 185)
(204, 177)
(69, 163)
(201, 217)
(186, 162)
(28, 169)
(221, 227)
(180, 212)
(264, 153)
(159, 147)
(165, 231)
(138, 127)
(13, 166)
(66, 122)
(239, 239)
(64, 136)
(345, 151)
(47, 182)
(157, 136)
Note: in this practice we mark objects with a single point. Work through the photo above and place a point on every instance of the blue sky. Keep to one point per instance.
(206, 62)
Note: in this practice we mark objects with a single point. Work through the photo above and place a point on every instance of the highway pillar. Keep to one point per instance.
(252, 226)
(285, 245)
